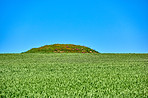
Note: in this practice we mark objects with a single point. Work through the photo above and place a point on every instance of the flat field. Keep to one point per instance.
(74, 75)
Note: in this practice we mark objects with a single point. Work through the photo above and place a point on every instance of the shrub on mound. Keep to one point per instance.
(62, 48)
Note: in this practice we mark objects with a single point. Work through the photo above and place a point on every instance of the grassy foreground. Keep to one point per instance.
(73, 75)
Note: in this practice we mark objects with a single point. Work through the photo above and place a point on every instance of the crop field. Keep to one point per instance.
(74, 75)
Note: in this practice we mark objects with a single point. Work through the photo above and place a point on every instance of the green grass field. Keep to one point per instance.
(74, 75)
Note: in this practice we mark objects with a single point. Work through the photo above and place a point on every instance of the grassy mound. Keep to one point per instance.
(62, 48)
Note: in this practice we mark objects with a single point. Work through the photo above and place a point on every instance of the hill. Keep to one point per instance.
(62, 48)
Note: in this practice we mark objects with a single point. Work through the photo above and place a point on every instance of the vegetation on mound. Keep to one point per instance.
(62, 48)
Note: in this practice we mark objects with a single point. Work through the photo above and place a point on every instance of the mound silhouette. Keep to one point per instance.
(62, 48)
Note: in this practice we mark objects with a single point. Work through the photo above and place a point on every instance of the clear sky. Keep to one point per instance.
(108, 26)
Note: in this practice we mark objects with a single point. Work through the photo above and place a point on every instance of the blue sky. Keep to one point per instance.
(108, 26)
